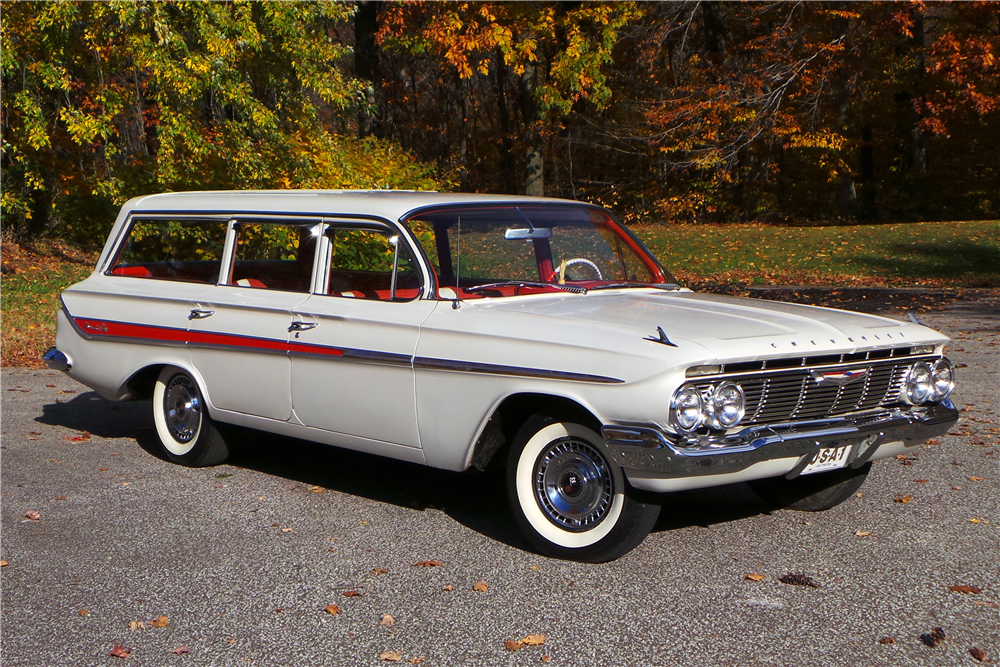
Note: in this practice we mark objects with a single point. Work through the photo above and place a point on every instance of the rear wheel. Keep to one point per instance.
(568, 499)
(812, 493)
(186, 432)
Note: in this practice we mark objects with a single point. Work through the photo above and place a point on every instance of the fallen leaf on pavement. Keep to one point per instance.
(512, 645)
(380, 570)
(83, 612)
(287, 530)
(32, 516)
(136, 625)
(975, 479)
(419, 660)
(480, 587)
(979, 654)
(158, 622)
(900, 498)
(933, 638)
(332, 609)
(754, 577)
(533, 640)
(448, 587)
(428, 563)
(351, 594)
(316, 489)
(862, 533)
(921, 481)
(963, 588)
(390, 656)
(180, 650)
(61, 498)
(973, 520)
(546, 658)
(387, 620)
(120, 651)
(798, 580)
(4, 563)
(887, 640)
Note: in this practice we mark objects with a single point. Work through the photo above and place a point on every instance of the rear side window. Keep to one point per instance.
(275, 256)
(181, 250)
(371, 264)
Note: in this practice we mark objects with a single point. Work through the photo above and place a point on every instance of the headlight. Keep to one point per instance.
(687, 408)
(942, 379)
(727, 406)
(918, 383)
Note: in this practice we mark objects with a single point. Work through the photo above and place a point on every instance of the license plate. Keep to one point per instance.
(828, 459)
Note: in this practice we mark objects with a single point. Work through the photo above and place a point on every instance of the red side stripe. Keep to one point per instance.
(147, 332)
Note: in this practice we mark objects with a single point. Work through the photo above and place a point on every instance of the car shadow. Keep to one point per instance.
(476, 500)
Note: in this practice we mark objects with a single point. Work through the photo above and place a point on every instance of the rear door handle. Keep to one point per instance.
(302, 326)
(197, 314)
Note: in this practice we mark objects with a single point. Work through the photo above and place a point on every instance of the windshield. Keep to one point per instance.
(505, 250)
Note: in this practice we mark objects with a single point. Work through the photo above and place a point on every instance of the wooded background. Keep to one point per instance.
(781, 112)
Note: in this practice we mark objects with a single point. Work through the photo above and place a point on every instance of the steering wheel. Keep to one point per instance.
(581, 260)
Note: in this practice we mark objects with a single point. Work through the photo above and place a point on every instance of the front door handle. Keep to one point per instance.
(302, 326)
(197, 314)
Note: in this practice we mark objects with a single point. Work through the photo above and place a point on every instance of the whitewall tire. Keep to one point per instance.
(186, 432)
(568, 498)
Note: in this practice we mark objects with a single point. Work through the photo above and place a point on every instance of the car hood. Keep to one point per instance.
(728, 327)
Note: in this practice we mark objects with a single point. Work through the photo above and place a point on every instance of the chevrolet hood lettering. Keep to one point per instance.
(839, 378)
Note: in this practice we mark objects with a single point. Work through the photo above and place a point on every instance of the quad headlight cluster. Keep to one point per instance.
(926, 382)
(718, 407)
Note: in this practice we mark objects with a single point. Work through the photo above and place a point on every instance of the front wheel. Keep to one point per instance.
(186, 432)
(568, 499)
(811, 493)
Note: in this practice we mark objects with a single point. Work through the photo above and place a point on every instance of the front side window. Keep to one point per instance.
(182, 250)
(497, 250)
(369, 263)
(275, 256)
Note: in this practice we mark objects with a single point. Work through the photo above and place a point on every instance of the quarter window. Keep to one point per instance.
(165, 249)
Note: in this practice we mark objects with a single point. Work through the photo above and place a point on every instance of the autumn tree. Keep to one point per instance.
(104, 101)
(526, 66)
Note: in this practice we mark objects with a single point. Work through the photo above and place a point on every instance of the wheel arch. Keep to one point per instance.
(139, 386)
(511, 413)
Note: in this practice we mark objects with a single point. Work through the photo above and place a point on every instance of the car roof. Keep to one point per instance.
(386, 204)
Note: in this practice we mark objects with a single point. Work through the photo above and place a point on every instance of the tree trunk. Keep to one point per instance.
(506, 143)
(534, 180)
(366, 66)
(847, 198)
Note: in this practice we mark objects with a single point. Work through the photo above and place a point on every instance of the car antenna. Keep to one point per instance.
(456, 304)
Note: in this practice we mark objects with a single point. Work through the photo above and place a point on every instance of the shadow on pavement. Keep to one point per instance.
(476, 500)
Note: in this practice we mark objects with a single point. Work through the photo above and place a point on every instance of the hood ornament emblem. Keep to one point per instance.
(839, 378)
(661, 339)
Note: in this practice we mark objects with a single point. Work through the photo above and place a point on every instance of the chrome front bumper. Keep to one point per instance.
(647, 449)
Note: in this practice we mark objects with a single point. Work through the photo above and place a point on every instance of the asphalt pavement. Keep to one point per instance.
(101, 539)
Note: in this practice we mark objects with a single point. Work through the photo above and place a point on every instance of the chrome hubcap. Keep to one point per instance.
(573, 485)
(182, 407)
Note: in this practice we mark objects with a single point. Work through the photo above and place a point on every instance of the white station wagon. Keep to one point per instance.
(460, 331)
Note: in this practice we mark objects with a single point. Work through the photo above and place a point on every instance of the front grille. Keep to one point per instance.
(795, 395)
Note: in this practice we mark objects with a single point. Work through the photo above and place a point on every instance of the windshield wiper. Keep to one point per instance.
(669, 287)
(527, 283)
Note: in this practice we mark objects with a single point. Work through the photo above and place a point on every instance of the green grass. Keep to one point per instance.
(29, 299)
(949, 254)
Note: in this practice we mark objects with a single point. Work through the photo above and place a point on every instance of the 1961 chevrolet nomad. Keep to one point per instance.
(460, 331)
